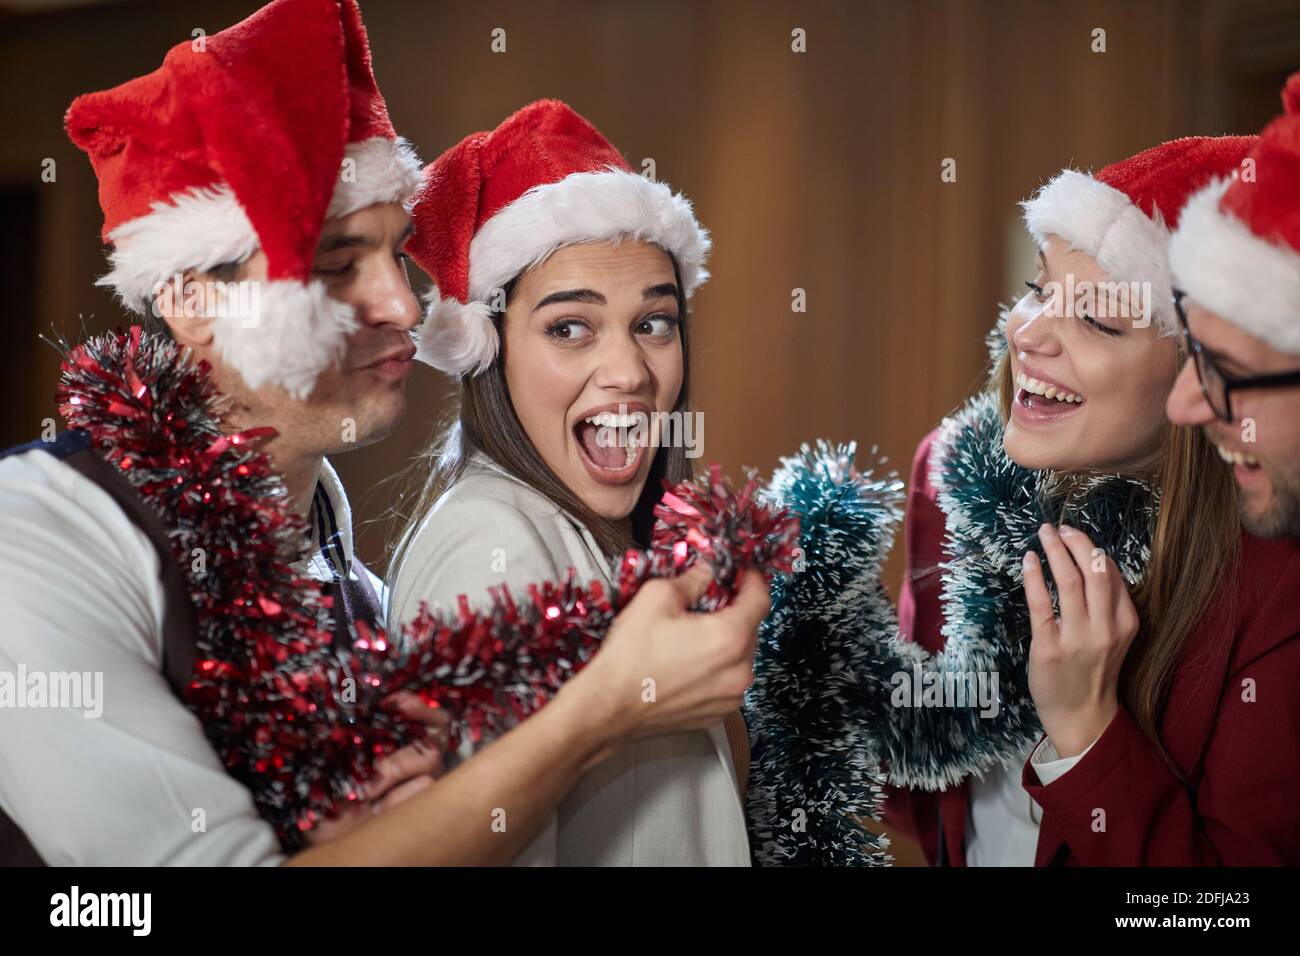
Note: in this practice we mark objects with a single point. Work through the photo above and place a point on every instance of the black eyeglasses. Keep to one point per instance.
(1218, 386)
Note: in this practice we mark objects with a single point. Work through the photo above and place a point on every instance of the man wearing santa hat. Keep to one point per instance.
(1223, 793)
(255, 199)
(1236, 261)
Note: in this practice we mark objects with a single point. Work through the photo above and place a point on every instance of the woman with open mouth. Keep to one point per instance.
(562, 280)
(1133, 676)
(1068, 546)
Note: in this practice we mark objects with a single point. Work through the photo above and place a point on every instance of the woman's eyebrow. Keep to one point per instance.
(590, 296)
(1042, 258)
(662, 289)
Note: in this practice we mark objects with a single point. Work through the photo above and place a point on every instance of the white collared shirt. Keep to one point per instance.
(1002, 826)
(138, 785)
(330, 556)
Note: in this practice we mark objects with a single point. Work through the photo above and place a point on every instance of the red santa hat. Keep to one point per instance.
(244, 140)
(498, 203)
(1237, 248)
(1122, 216)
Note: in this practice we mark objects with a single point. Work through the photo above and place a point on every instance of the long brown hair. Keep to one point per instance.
(486, 422)
(1195, 539)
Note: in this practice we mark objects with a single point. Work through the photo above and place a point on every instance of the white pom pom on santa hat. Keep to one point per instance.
(200, 165)
(498, 203)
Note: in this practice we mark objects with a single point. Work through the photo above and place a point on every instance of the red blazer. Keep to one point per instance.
(1231, 724)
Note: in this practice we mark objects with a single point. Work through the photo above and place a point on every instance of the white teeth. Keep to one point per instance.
(629, 443)
(1235, 457)
(611, 420)
(1047, 391)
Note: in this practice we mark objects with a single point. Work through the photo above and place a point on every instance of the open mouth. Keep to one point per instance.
(1245, 466)
(612, 444)
(1039, 400)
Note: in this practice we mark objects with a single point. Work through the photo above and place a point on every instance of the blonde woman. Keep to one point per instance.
(1110, 729)
(1134, 687)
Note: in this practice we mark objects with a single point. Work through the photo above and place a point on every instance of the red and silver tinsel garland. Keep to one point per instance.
(296, 719)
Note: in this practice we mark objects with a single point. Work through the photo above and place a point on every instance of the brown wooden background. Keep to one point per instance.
(818, 171)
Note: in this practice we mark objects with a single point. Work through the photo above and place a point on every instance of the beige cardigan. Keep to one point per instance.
(663, 801)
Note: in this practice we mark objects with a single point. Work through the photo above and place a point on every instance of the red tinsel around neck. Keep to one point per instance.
(298, 720)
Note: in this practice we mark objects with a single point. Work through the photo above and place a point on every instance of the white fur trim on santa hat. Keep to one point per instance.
(296, 330)
(375, 170)
(456, 337)
(586, 207)
(608, 205)
(1102, 222)
(198, 229)
(281, 333)
(206, 227)
(1226, 268)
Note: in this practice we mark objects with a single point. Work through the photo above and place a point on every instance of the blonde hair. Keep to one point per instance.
(1195, 539)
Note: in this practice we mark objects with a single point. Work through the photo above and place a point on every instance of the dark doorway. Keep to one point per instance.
(18, 268)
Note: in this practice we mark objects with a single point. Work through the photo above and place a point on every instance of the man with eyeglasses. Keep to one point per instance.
(1236, 262)
(1243, 392)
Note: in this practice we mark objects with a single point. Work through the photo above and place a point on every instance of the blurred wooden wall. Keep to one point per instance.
(817, 171)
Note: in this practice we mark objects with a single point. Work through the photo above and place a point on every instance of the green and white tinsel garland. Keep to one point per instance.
(823, 712)
(815, 765)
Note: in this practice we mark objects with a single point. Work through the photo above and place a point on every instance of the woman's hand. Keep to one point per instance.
(1074, 660)
(400, 775)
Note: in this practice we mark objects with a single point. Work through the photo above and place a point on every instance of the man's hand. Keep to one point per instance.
(700, 665)
(400, 775)
(663, 669)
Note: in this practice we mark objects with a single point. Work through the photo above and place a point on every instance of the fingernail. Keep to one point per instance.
(1067, 531)
(1046, 529)
(1028, 559)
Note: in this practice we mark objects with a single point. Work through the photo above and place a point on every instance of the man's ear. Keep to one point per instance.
(179, 303)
